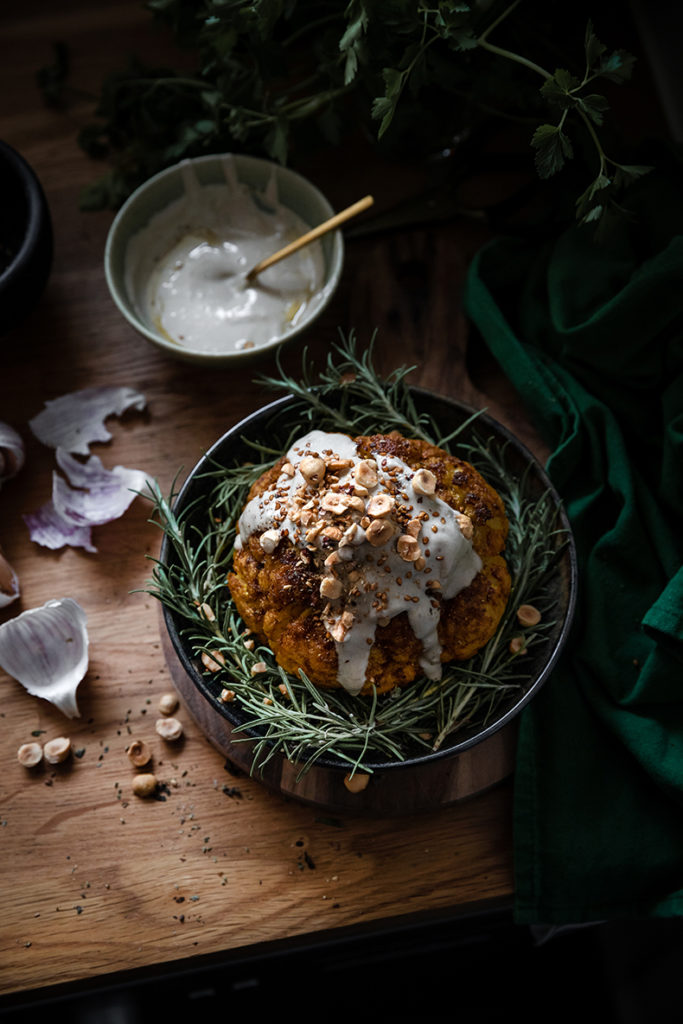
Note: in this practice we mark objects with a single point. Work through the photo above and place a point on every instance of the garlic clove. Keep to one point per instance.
(46, 650)
(74, 421)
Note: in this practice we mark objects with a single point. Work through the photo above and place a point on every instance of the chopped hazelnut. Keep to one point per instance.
(169, 729)
(330, 588)
(365, 473)
(527, 615)
(517, 645)
(213, 660)
(207, 612)
(356, 782)
(139, 753)
(380, 505)
(408, 548)
(465, 524)
(30, 754)
(424, 482)
(379, 532)
(144, 784)
(312, 469)
(226, 696)
(57, 750)
(414, 527)
(168, 702)
(269, 540)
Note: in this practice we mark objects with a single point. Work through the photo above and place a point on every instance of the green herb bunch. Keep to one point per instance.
(278, 77)
(284, 714)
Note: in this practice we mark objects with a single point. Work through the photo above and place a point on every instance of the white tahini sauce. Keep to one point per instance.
(188, 266)
(358, 518)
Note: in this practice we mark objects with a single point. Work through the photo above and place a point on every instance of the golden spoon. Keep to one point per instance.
(312, 235)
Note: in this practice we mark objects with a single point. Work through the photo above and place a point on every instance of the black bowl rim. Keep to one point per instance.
(38, 214)
(447, 751)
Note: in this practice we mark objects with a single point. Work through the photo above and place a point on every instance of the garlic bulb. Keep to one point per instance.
(46, 650)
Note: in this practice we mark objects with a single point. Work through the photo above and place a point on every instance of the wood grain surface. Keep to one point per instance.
(94, 880)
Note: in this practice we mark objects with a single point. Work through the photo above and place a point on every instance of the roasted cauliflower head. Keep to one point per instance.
(370, 560)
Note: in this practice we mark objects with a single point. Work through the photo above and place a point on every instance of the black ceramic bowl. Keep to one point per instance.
(26, 241)
(272, 422)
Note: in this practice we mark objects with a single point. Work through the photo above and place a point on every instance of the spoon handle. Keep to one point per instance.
(310, 236)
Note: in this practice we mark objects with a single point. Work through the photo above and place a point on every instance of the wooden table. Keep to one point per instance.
(95, 881)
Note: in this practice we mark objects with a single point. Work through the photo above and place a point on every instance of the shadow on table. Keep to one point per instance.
(481, 967)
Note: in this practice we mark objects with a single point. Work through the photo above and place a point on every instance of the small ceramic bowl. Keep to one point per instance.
(128, 273)
(26, 242)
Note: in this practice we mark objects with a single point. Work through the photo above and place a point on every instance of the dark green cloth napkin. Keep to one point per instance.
(591, 336)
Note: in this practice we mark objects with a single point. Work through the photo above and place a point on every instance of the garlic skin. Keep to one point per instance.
(46, 650)
(9, 582)
(11, 452)
(74, 421)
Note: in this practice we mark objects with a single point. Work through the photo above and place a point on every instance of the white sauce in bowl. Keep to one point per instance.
(188, 266)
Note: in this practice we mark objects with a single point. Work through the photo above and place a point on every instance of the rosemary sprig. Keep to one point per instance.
(285, 715)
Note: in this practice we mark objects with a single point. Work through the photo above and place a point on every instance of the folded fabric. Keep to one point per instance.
(591, 336)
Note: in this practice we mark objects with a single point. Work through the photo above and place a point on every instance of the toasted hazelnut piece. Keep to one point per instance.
(330, 588)
(414, 527)
(288, 469)
(226, 696)
(213, 661)
(380, 505)
(338, 632)
(365, 473)
(258, 667)
(527, 615)
(517, 645)
(169, 729)
(139, 753)
(57, 750)
(334, 503)
(269, 540)
(207, 612)
(312, 469)
(347, 619)
(408, 548)
(168, 702)
(338, 465)
(332, 533)
(465, 524)
(144, 784)
(30, 754)
(360, 491)
(379, 532)
(356, 782)
(424, 482)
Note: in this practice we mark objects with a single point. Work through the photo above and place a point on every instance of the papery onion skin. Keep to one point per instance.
(46, 650)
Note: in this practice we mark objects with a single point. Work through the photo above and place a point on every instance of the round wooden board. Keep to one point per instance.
(401, 790)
